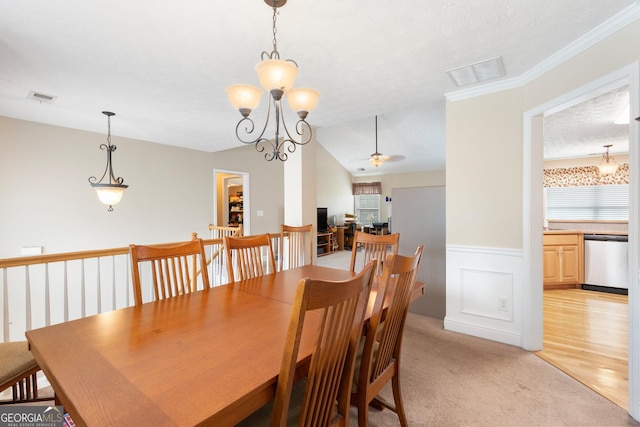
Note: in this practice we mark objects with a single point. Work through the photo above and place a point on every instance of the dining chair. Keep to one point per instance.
(298, 247)
(19, 370)
(372, 246)
(174, 268)
(379, 360)
(322, 399)
(248, 253)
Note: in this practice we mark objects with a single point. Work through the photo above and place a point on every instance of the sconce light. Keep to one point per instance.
(110, 193)
(608, 166)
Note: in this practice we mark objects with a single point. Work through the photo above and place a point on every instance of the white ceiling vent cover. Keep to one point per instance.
(479, 72)
(41, 97)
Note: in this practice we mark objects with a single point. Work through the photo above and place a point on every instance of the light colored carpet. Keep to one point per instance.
(451, 379)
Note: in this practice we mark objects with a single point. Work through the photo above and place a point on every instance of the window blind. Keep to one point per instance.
(603, 202)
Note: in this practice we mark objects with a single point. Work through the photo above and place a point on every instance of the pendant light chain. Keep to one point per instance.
(275, 30)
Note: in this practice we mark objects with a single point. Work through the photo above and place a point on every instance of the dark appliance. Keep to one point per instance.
(323, 220)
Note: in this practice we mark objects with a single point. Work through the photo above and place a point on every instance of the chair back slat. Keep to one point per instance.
(367, 247)
(174, 268)
(295, 246)
(246, 254)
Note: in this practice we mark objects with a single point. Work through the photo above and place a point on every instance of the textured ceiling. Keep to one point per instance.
(585, 127)
(162, 66)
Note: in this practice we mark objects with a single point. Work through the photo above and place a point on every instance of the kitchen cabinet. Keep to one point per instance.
(563, 259)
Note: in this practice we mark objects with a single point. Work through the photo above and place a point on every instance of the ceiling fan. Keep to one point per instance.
(376, 159)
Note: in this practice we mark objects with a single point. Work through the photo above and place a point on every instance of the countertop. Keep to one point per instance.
(614, 233)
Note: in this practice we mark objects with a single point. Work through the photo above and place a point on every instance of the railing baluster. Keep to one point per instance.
(83, 296)
(27, 288)
(5, 306)
(66, 293)
(113, 282)
(99, 286)
(47, 296)
(129, 286)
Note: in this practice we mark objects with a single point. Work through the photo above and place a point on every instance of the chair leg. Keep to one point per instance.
(363, 411)
(397, 397)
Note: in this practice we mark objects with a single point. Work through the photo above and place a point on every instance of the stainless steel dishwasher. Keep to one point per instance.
(605, 262)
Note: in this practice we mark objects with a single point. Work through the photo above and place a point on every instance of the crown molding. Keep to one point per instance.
(601, 32)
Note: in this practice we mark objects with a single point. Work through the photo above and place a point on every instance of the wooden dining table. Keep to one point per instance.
(207, 358)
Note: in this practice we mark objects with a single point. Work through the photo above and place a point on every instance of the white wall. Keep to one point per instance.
(333, 185)
(494, 220)
(46, 200)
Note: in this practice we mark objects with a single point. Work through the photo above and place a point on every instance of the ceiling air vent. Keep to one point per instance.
(479, 72)
(41, 97)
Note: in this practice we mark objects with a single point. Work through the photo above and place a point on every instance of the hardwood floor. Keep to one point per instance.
(585, 335)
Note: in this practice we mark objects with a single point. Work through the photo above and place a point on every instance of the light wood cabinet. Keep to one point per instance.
(325, 244)
(563, 260)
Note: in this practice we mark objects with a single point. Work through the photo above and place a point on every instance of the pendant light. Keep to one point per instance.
(109, 192)
(608, 166)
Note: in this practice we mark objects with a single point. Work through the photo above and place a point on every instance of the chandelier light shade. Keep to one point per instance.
(277, 77)
(244, 97)
(608, 166)
(376, 159)
(109, 188)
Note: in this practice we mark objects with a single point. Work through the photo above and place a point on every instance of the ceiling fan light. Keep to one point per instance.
(303, 99)
(376, 159)
(276, 74)
(244, 96)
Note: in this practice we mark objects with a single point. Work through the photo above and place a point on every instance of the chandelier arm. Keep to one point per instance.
(301, 125)
(251, 127)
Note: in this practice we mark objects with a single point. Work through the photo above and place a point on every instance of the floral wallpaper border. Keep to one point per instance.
(584, 176)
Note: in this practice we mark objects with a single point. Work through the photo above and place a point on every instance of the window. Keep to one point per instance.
(368, 208)
(602, 202)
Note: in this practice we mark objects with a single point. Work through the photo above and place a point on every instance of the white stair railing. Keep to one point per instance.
(43, 290)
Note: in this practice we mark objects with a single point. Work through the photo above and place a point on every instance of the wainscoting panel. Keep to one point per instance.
(484, 293)
(479, 289)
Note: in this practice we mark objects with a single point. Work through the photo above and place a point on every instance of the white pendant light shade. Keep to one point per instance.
(244, 96)
(608, 166)
(276, 74)
(303, 99)
(110, 194)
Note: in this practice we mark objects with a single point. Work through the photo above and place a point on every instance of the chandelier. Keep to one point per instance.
(110, 193)
(608, 166)
(277, 77)
(376, 159)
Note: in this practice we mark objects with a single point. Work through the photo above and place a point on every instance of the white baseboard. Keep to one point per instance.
(482, 331)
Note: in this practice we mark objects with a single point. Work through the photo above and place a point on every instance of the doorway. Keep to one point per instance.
(231, 199)
(533, 219)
